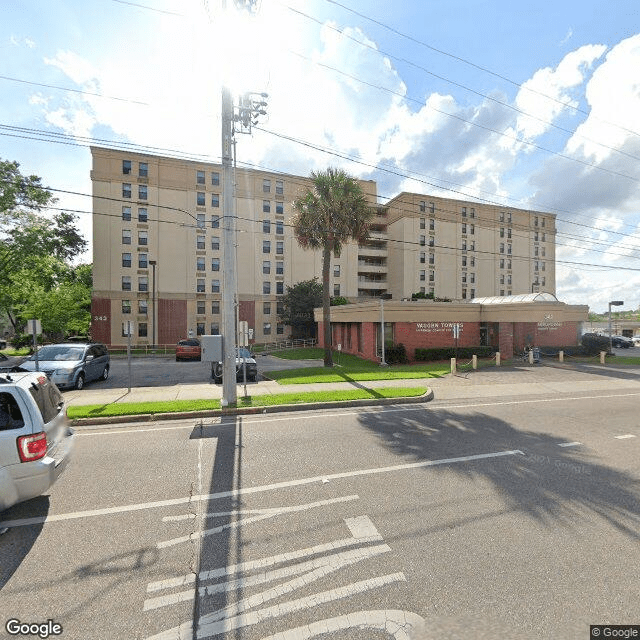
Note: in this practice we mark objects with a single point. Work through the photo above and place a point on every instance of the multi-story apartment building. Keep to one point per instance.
(157, 241)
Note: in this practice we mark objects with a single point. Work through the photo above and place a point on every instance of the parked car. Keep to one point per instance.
(252, 367)
(10, 363)
(189, 349)
(621, 342)
(3, 343)
(35, 439)
(71, 364)
(636, 341)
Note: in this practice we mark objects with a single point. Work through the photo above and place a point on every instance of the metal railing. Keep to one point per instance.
(298, 343)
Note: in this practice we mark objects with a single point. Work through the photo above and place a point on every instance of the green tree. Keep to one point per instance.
(298, 304)
(329, 214)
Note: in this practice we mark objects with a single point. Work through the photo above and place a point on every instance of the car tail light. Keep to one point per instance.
(32, 447)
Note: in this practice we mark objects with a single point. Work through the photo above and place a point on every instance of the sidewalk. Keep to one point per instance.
(544, 380)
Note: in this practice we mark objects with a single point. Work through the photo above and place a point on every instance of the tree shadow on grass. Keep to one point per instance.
(546, 481)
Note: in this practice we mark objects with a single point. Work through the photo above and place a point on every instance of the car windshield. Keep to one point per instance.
(243, 353)
(55, 352)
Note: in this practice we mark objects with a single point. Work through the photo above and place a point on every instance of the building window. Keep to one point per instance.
(215, 178)
(215, 286)
(266, 308)
(423, 275)
(464, 212)
(472, 261)
(501, 292)
(200, 220)
(142, 307)
(535, 221)
(215, 200)
(279, 187)
(142, 192)
(266, 266)
(423, 207)
(215, 307)
(266, 328)
(142, 329)
(266, 186)
(432, 241)
(502, 247)
(126, 213)
(143, 283)
(266, 246)
(200, 177)
(422, 241)
(464, 278)
(266, 226)
(280, 247)
(502, 220)
(423, 258)
(464, 261)
(543, 252)
(215, 222)
(126, 166)
(126, 306)
(200, 303)
(543, 265)
(280, 208)
(143, 169)
(472, 229)
(279, 288)
(472, 278)
(544, 237)
(432, 207)
(509, 279)
(143, 237)
(200, 200)
(215, 328)
(266, 206)
(279, 268)
(508, 249)
(266, 287)
(423, 223)
(279, 228)
(336, 270)
(508, 264)
(200, 264)
(200, 242)
(432, 276)
(432, 224)
(126, 189)
(142, 215)
(509, 219)
(543, 281)
(432, 258)
(473, 294)
(472, 214)
(336, 289)
(280, 329)
(464, 294)
(215, 243)
(126, 236)
(509, 233)
(126, 259)
(502, 279)
(464, 227)
(464, 245)
(143, 262)
(535, 250)
(279, 308)
(502, 232)
(215, 264)
(200, 285)
(200, 328)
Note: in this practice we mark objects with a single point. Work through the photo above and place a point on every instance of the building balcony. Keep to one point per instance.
(371, 284)
(376, 252)
(364, 267)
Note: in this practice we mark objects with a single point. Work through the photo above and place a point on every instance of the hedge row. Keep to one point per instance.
(444, 353)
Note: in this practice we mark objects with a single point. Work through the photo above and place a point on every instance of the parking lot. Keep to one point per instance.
(162, 371)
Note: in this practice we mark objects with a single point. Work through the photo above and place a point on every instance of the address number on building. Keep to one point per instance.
(100, 318)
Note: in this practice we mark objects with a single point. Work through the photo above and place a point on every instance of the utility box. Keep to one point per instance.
(211, 348)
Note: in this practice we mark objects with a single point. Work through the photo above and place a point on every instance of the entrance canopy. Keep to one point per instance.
(542, 296)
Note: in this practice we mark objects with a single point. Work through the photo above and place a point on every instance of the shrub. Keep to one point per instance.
(395, 354)
(594, 344)
(445, 353)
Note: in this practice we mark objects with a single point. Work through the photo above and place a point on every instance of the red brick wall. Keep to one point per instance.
(434, 335)
(101, 320)
(506, 340)
(566, 335)
(247, 313)
(172, 321)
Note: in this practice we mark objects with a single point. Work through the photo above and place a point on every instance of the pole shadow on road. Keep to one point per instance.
(549, 483)
(225, 547)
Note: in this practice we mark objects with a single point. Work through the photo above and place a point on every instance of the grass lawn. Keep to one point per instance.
(351, 368)
(307, 353)
(140, 408)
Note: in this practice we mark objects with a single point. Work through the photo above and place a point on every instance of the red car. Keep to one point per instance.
(188, 350)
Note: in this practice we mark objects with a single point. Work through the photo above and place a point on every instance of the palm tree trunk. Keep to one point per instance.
(326, 306)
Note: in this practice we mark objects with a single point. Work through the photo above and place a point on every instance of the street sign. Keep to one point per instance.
(33, 327)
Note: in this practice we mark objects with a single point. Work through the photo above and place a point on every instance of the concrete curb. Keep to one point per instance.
(279, 408)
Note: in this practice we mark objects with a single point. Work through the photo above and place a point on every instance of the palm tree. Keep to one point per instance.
(333, 211)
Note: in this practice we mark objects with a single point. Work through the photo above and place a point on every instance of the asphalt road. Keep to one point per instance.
(512, 518)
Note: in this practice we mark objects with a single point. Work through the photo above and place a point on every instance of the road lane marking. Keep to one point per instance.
(272, 513)
(570, 444)
(624, 437)
(307, 572)
(251, 490)
(362, 527)
(400, 625)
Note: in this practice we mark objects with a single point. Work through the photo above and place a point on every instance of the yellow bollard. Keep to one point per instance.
(474, 361)
(602, 356)
(498, 359)
(561, 355)
(453, 365)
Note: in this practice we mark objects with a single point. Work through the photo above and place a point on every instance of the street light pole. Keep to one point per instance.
(615, 303)
(153, 303)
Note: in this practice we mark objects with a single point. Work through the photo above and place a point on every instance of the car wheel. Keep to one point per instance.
(80, 382)
(105, 373)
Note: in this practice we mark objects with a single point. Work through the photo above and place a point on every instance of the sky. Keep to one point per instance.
(533, 105)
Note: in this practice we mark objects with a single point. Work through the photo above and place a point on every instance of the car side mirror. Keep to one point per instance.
(89, 358)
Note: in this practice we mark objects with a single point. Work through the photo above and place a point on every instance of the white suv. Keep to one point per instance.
(35, 438)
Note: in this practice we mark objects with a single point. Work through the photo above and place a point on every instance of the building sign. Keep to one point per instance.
(548, 323)
(435, 327)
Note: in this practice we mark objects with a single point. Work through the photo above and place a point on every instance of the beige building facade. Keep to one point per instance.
(158, 239)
